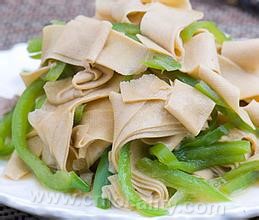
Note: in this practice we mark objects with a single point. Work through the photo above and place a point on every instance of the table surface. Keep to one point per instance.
(23, 19)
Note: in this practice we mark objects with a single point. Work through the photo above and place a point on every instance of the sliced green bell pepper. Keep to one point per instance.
(189, 184)
(61, 180)
(125, 180)
(100, 180)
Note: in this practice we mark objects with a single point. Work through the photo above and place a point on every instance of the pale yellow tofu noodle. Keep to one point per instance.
(91, 77)
(244, 53)
(63, 91)
(126, 11)
(189, 106)
(88, 40)
(218, 83)
(148, 87)
(152, 46)
(79, 41)
(171, 22)
(245, 81)
(200, 50)
(29, 77)
(114, 194)
(54, 123)
(95, 131)
(137, 120)
(123, 54)
(253, 110)
(50, 35)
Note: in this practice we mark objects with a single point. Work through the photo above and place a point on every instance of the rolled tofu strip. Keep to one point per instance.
(54, 123)
(140, 120)
(244, 53)
(137, 120)
(95, 132)
(123, 54)
(151, 190)
(189, 106)
(201, 50)
(114, 194)
(62, 91)
(245, 81)
(92, 77)
(148, 87)
(79, 41)
(125, 11)
(170, 22)
(16, 168)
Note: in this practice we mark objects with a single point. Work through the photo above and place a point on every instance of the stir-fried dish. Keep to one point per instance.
(145, 105)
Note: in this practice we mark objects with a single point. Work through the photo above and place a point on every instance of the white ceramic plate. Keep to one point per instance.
(27, 195)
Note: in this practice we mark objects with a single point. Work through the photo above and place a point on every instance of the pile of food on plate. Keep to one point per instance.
(145, 105)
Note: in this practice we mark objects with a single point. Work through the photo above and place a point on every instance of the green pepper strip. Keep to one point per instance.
(213, 123)
(239, 182)
(206, 90)
(218, 149)
(219, 161)
(129, 30)
(39, 102)
(6, 146)
(242, 169)
(233, 117)
(61, 180)
(180, 198)
(79, 114)
(100, 180)
(239, 178)
(183, 77)
(55, 71)
(209, 138)
(165, 156)
(193, 28)
(182, 181)
(162, 62)
(124, 174)
(34, 47)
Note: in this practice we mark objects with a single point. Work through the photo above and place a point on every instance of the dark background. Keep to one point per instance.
(22, 19)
